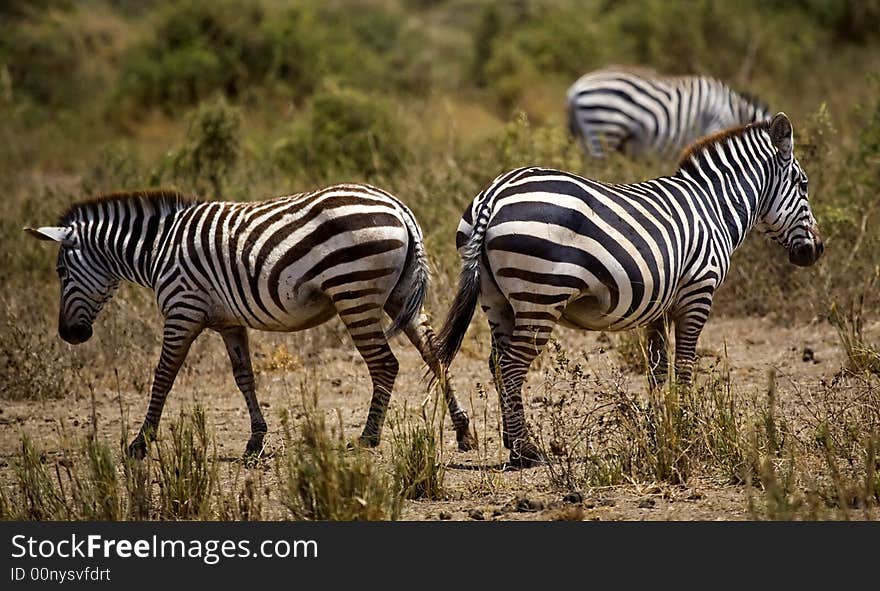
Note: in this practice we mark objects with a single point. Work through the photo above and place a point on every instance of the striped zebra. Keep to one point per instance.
(285, 264)
(542, 247)
(642, 113)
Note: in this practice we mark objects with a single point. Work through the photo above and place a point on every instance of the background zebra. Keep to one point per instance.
(542, 247)
(285, 264)
(643, 113)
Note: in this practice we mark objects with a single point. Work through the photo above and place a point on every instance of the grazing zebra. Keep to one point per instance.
(642, 113)
(285, 264)
(542, 247)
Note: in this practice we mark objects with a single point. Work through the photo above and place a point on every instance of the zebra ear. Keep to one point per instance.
(782, 135)
(53, 233)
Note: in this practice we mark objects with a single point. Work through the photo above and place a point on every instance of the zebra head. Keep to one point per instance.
(749, 108)
(86, 283)
(786, 216)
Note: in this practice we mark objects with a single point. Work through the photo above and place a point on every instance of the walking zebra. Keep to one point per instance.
(542, 247)
(285, 264)
(642, 113)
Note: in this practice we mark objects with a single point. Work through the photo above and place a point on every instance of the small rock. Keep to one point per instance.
(445, 515)
(647, 503)
(573, 497)
(76, 422)
(476, 514)
(525, 505)
(808, 355)
(264, 404)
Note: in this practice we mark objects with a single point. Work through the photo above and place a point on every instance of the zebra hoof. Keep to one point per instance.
(466, 440)
(368, 440)
(526, 455)
(254, 447)
(138, 449)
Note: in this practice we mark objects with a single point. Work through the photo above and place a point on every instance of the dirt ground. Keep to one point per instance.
(476, 487)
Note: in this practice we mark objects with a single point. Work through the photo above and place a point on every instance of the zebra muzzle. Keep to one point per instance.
(806, 252)
(76, 333)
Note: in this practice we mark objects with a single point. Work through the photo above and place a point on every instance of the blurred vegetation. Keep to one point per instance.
(428, 99)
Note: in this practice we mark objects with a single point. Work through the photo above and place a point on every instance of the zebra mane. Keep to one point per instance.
(706, 142)
(643, 71)
(753, 100)
(158, 199)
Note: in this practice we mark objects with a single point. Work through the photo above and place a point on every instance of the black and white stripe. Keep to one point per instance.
(643, 113)
(285, 264)
(542, 247)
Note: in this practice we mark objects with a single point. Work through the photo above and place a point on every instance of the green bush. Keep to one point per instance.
(345, 132)
(43, 61)
(197, 48)
(212, 149)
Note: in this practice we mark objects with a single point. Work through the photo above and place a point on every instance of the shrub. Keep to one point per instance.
(345, 132)
(197, 48)
(211, 151)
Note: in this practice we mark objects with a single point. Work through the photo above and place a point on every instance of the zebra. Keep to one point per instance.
(284, 264)
(641, 113)
(542, 247)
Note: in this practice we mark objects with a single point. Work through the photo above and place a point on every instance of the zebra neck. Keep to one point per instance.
(134, 246)
(732, 197)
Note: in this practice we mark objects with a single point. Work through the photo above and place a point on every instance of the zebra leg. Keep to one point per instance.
(495, 370)
(422, 336)
(500, 316)
(688, 327)
(236, 340)
(531, 332)
(658, 364)
(177, 337)
(373, 346)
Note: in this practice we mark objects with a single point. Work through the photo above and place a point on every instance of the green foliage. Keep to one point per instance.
(44, 61)
(197, 48)
(346, 132)
(211, 151)
(522, 144)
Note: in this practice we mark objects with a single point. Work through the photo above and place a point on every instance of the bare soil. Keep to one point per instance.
(476, 486)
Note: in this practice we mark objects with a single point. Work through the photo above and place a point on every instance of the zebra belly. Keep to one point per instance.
(312, 311)
(589, 313)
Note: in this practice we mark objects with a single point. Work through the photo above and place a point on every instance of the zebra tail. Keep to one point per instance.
(416, 269)
(462, 310)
